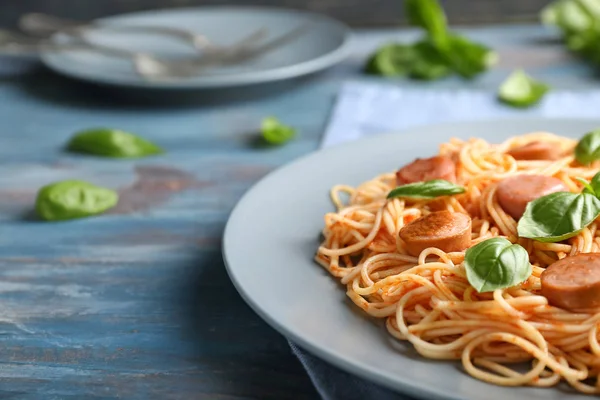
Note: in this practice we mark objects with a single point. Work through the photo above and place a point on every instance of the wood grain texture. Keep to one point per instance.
(136, 304)
(354, 12)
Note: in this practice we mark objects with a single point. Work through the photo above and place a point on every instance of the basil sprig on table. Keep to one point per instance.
(420, 61)
(521, 90)
(468, 58)
(73, 199)
(440, 53)
(559, 216)
(429, 15)
(426, 190)
(112, 143)
(579, 21)
(496, 264)
(588, 148)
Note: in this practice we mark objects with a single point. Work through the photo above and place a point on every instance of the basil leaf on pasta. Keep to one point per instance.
(558, 216)
(591, 187)
(595, 184)
(587, 187)
(588, 148)
(496, 264)
(426, 190)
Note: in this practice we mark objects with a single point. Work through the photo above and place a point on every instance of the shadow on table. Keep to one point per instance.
(41, 83)
(254, 360)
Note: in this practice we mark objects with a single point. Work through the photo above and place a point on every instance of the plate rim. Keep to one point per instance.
(342, 361)
(297, 70)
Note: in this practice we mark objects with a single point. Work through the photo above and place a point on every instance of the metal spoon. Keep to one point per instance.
(46, 25)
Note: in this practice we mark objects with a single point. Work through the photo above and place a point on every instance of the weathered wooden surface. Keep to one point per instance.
(137, 304)
(354, 12)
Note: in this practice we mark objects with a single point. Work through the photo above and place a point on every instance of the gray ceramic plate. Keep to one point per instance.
(272, 236)
(320, 47)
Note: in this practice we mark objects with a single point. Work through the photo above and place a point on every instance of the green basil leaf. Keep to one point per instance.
(112, 143)
(587, 187)
(579, 21)
(428, 63)
(420, 61)
(549, 14)
(275, 132)
(591, 187)
(588, 148)
(591, 8)
(558, 216)
(426, 190)
(429, 15)
(585, 43)
(496, 264)
(520, 90)
(466, 57)
(595, 184)
(73, 199)
(572, 17)
(391, 60)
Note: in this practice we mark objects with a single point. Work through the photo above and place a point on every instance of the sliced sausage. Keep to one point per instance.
(426, 169)
(573, 282)
(445, 230)
(515, 192)
(536, 151)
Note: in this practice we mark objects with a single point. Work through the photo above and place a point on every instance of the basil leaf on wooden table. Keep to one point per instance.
(426, 190)
(428, 63)
(520, 90)
(419, 61)
(429, 15)
(558, 216)
(274, 132)
(588, 148)
(572, 16)
(112, 143)
(73, 199)
(391, 60)
(579, 21)
(496, 264)
(468, 58)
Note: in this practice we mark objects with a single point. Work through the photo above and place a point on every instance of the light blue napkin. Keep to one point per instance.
(364, 109)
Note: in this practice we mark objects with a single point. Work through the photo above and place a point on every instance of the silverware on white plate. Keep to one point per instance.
(46, 25)
(148, 65)
(159, 69)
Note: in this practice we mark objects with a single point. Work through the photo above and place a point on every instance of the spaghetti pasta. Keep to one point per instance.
(427, 299)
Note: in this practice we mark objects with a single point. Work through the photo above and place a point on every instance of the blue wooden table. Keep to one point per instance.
(136, 304)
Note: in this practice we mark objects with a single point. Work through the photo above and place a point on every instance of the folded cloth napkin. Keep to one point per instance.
(364, 109)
